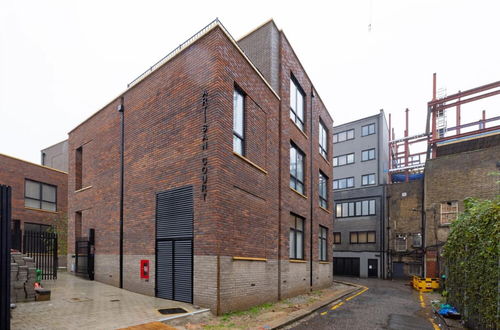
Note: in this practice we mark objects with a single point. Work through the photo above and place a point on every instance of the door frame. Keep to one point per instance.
(376, 268)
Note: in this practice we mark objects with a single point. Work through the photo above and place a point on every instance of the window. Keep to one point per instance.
(323, 190)
(362, 237)
(79, 168)
(417, 240)
(296, 237)
(368, 130)
(343, 160)
(343, 136)
(355, 209)
(415, 269)
(296, 103)
(343, 183)
(238, 122)
(39, 195)
(367, 155)
(323, 140)
(296, 169)
(368, 179)
(449, 212)
(323, 243)
(400, 244)
(337, 238)
(36, 227)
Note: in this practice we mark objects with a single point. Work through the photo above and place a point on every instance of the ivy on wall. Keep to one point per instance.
(472, 256)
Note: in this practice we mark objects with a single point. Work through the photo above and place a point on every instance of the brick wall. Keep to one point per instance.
(14, 172)
(455, 177)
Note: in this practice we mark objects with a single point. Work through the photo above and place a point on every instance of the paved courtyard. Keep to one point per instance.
(77, 303)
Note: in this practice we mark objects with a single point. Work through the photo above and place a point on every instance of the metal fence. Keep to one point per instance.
(42, 247)
(84, 255)
(5, 215)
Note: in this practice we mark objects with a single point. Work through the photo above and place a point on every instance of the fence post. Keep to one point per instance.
(5, 219)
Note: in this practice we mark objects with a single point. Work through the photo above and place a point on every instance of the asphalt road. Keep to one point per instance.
(384, 305)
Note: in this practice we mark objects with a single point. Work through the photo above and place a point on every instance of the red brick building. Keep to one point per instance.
(39, 194)
(215, 166)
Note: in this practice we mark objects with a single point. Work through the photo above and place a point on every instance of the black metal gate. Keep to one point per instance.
(346, 266)
(84, 255)
(174, 244)
(5, 215)
(42, 247)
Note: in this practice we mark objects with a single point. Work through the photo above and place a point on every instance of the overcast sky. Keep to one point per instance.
(61, 61)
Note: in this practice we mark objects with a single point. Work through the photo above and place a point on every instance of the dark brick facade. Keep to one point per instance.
(242, 213)
(14, 172)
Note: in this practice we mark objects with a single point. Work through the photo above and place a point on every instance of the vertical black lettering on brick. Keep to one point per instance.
(204, 147)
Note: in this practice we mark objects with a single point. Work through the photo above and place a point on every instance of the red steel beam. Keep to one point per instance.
(484, 130)
(465, 93)
(471, 99)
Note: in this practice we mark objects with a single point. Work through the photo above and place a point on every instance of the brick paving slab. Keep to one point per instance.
(77, 303)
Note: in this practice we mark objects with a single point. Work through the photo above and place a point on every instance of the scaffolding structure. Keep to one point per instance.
(405, 165)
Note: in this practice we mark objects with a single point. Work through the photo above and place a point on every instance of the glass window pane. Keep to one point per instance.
(342, 183)
(300, 241)
(362, 237)
(372, 154)
(300, 224)
(292, 244)
(32, 189)
(300, 167)
(345, 210)
(364, 180)
(238, 113)
(350, 158)
(350, 134)
(365, 208)
(335, 184)
(300, 187)
(372, 128)
(237, 145)
(354, 238)
(293, 161)
(371, 237)
(358, 209)
(335, 161)
(48, 193)
(338, 210)
(371, 178)
(300, 106)
(351, 209)
(350, 182)
(49, 206)
(364, 155)
(32, 203)
(293, 95)
(342, 160)
(372, 207)
(342, 136)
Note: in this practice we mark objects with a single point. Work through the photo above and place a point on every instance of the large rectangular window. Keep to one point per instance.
(343, 136)
(39, 195)
(343, 160)
(238, 122)
(368, 179)
(343, 183)
(296, 169)
(367, 155)
(296, 239)
(323, 243)
(296, 103)
(368, 130)
(323, 140)
(355, 209)
(323, 190)
(362, 237)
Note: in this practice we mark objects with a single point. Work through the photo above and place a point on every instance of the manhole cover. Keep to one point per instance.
(167, 311)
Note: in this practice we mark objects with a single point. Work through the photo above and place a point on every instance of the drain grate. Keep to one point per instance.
(166, 311)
